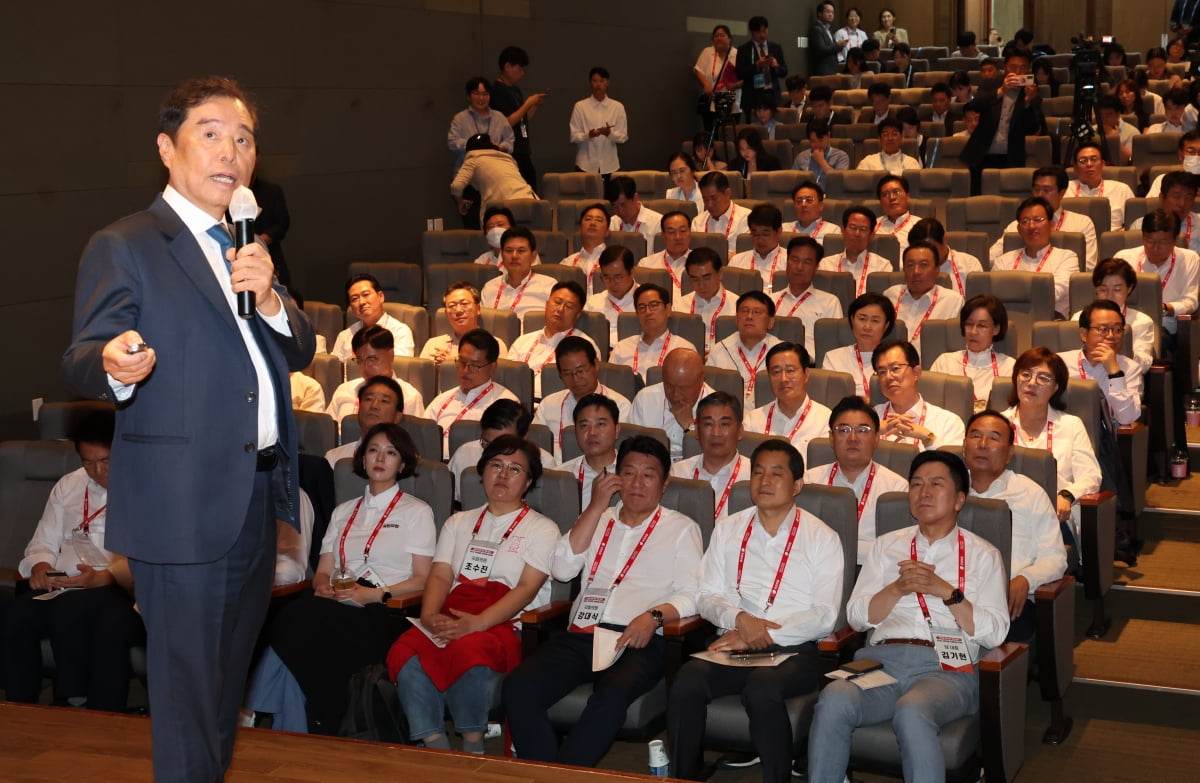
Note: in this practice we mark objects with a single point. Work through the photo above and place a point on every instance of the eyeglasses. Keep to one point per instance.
(892, 369)
(1032, 221)
(578, 372)
(1037, 379)
(1084, 161)
(1108, 331)
(893, 193)
(508, 468)
(472, 366)
(846, 429)
(650, 307)
(454, 307)
(806, 199)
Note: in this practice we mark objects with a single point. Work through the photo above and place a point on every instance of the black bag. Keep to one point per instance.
(374, 711)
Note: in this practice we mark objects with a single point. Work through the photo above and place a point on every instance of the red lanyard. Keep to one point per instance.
(1017, 254)
(932, 304)
(799, 423)
(507, 533)
(787, 551)
(712, 322)
(1021, 435)
(1062, 215)
(637, 350)
(799, 301)
(1170, 269)
(1187, 237)
(729, 225)
(517, 299)
(816, 232)
(574, 261)
(466, 407)
(374, 533)
(774, 262)
(671, 271)
(615, 304)
(1082, 374)
(995, 365)
(862, 278)
(895, 231)
(920, 422)
(737, 467)
(958, 282)
(637, 550)
(962, 572)
(534, 347)
(862, 372)
(862, 501)
(751, 369)
(86, 524)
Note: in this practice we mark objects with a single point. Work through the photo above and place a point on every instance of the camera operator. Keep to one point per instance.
(716, 70)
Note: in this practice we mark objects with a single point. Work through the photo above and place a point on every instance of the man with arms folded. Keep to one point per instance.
(478, 352)
(671, 405)
(374, 354)
(746, 349)
(677, 238)
(1038, 554)
(616, 273)
(770, 580)
(1037, 254)
(920, 298)
(719, 430)
(579, 368)
(934, 580)
(854, 435)
(638, 561)
(800, 299)
(366, 300)
(536, 349)
(906, 417)
(597, 426)
(708, 298)
(720, 215)
(650, 348)
(462, 305)
(792, 414)
(518, 288)
(1050, 183)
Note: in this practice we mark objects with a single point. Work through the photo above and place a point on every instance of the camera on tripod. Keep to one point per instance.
(723, 103)
(1087, 67)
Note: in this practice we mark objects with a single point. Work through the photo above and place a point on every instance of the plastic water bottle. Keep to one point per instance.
(659, 763)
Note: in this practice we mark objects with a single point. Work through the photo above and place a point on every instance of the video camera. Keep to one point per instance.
(1087, 69)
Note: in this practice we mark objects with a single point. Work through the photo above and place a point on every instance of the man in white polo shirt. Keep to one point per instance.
(366, 300)
(631, 215)
(518, 288)
(719, 430)
(677, 238)
(615, 267)
(792, 414)
(579, 367)
(766, 257)
(708, 298)
(536, 349)
(650, 348)
(671, 405)
(800, 299)
(906, 417)
(919, 298)
(720, 215)
(1038, 255)
(478, 352)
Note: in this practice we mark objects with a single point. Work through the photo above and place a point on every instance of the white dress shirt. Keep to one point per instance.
(936, 303)
(401, 333)
(648, 223)
(650, 409)
(979, 368)
(664, 572)
(1143, 330)
(1038, 553)
(724, 302)
(1122, 395)
(586, 262)
(675, 266)
(984, 587)
(737, 469)
(732, 223)
(898, 228)
(774, 261)
(866, 263)
(307, 394)
(536, 350)
(732, 354)
(449, 343)
(584, 474)
(407, 531)
(557, 411)
(893, 164)
(1055, 261)
(818, 229)
(847, 359)
(947, 428)
(490, 258)
(885, 480)
(339, 453)
(454, 404)
(959, 265)
(529, 296)
(62, 516)
(1179, 277)
(810, 306)
(811, 421)
(605, 303)
(598, 153)
(811, 589)
(640, 356)
(344, 401)
(1115, 191)
(1063, 220)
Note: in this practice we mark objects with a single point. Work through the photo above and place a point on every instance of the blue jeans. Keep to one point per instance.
(469, 699)
(922, 699)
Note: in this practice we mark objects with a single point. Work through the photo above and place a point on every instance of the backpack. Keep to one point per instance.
(374, 711)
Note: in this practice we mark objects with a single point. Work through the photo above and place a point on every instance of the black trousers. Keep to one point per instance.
(764, 691)
(560, 665)
(989, 162)
(90, 633)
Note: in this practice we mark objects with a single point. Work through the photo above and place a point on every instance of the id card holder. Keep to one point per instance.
(88, 553)
(951, 647)
(477, 563)
(760, 81)
(588, 609)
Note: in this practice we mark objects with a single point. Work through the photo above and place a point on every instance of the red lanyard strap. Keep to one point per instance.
(507, 533)
(862, 502)
(86, 524)
(637, 550)
(962, 572)
(787, 551)
(374, 533)
(737, 466)
(466, 407)
(932, 304)
(799, 423)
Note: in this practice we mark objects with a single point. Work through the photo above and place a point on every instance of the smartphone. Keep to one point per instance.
(137, 348)
(56, 573)
(1029, 80)
(1106, 39)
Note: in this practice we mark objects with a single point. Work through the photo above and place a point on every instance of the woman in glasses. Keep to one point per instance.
(1037, 413)
(491, 563)
(982, 321)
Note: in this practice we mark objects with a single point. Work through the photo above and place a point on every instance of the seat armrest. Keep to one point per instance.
(683, 626)
(537, 623)
(1000, 658)
(545, 612)
(406, 600)
(1097, 533)
(682, 637)
(280, 591)
(1002, 687)
(1052, 590)
(842, 639)
(1054, 619)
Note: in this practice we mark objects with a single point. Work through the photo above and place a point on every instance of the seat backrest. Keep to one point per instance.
(570, 445)
(316, 433)
(1027, 296)
(451, 247)
(1097, 208)
(695, 499)
(689, 326)
(556, 495)
(896, 457)
(665, 205)
(557, 186)
(467, 430)
(1112, 242)
(421, 373)
(944, 152)
(1009, 183)
(515, 376)
(650, 184)
(729, 381)
(840, 284)
(326, 319)
(535, 214)
(830, 333)
(834, 81)
(1039, 151)
(930, 78)
(594, 325)
(618, 377)
(952, 392)
(58, 420)
(945, 336)
(438, 278)
(401, 283)
(739, 281)
(858, 186)
(777, 184)
(425, 433)
(1137, 208)
(974, 242)
(1082, 399)
(940, 183)
(29, 469)
(989, 214)
(561, 274)
(568, 211)
(551, 245)
(1058, 107)
(825, 386)
(432, 483)
(1155, 149)
(327, 370)
(988, 518)
(502, 324)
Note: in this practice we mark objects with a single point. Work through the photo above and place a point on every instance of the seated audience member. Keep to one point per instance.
(1037, 254)
(808, 200)
(1050, 183)
(879, 95)
(704, 156)
(1178, 198)
(901, 63)
(971, 114)
(677, 238)
(752, 154)
(897, 604)
(1089, 173)
(872, 51)
(1174, 104)
(766, 256)
(1038, 555)
(631, 214)
(1037, 412)
(989, 70)
(475, 591)
(708, 298)
(91, 623)
(1189, 160)
(496, 220)
(325, 637)
(720, 215)
(616, 273)
(579, 367)
(890, 158)
(939, 105)
(1102, 332)
(597, 421)
(800, 299)
(307, 394)
(518, 288)
(671, 405)
(1178, 268)
(792, 414)
(1129, 102)
(982, 321)
(1043, 75)
(463, 307)
(719, 430)
(910, 128)
(892, 192)
(797, 90)
(1156, 67)
(770, 580)
(820, 103)
(967, 46)
(492, 172)
(746, 349)
(478, 352)
(858, 229)
(536, 349)
(366, 301)
(380, 401)
(871, 318)
(647, 578)
(821, 157)
(683, 176)
(503, 417)
(907, 417)
(1116, 131)
(374, 354)
(955, 263)
(762, 119)
(920, 298)
(960, 87)
(854, 436)
(650, 348)
(593, 233)
(1115, 280)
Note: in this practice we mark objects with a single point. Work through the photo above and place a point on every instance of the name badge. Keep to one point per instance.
(477, 564)
(87, 552)
(589, 608)
(760, 81)
(951, 647)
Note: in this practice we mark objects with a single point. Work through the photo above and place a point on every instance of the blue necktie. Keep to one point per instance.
(218, 232)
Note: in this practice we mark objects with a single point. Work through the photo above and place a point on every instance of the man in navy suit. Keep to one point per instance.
(760, 66)
(204, 457)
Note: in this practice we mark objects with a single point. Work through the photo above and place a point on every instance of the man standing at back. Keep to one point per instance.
(760, 66)
(508, 99)
(1009, 112)
(205, 446)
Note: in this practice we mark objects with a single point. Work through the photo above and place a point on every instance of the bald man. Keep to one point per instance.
(671, 405)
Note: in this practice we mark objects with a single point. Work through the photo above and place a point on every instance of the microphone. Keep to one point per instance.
(243, 209)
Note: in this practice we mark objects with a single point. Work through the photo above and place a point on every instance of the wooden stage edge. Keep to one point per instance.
(40, 743)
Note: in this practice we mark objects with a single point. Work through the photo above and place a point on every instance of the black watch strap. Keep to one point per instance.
(956, 597)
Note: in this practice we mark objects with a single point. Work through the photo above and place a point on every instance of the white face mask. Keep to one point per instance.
(494, 234)
(1191, 164)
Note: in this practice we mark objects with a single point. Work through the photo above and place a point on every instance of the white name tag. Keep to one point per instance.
(88, 552)
(477, 564)
(951, 647)
(589, 608)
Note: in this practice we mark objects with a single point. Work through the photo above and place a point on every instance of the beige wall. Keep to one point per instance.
(1136, 25)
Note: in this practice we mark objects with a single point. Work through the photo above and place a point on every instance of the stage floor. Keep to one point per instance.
(39, 743)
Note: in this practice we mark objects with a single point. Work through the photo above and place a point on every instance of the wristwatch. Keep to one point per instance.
(1066, 495)
(657, 616)
(956, 597)
(383, 599)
